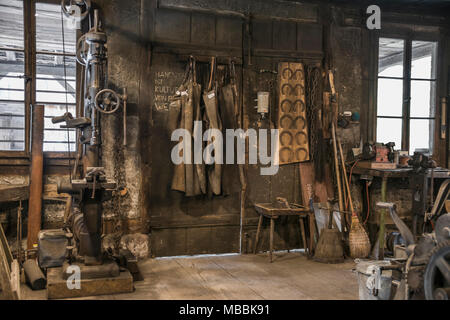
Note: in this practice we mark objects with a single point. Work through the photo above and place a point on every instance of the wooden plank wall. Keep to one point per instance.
(181, 225)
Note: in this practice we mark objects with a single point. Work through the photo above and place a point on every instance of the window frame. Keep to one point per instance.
(30, 52)
(28, 82)
(408, 38)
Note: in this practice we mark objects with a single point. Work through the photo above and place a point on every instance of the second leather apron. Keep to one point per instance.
(214, 121)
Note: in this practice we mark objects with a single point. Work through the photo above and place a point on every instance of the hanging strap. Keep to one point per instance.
(193, 69)
(190, 71)
(213, 73)
(232, 71)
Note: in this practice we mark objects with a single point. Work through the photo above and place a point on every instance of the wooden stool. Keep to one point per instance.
(272, 212)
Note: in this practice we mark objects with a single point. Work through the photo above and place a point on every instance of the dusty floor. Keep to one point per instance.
(291, 276)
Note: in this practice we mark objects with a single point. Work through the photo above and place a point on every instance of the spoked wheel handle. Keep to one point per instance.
(107, 101)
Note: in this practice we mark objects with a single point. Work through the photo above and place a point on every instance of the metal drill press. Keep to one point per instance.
(93, 187)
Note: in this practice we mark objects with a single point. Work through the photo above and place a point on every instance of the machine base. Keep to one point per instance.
(109, 269)
(57, 286)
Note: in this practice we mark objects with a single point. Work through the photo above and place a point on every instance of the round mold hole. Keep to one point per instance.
(299, 106)
(300, 123)
(286, 73)
(286, 154)
(297, 74)
(286, 106)
(286, 138)
(286, 121)
(286, 89)
(299, 90)
(301, 138)
(301, 154)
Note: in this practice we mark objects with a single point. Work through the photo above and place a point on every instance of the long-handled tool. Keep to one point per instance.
(334, 111)
(344, 174)
(338, 174)
(359, 242)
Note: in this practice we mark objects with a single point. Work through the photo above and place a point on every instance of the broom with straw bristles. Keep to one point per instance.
(358, 239)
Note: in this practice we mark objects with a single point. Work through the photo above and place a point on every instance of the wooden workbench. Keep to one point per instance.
(14, 192)
(385, 175)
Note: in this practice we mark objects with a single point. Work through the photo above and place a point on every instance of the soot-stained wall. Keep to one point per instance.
(149, 43)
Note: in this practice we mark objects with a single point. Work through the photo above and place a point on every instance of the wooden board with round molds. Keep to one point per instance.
(293, 129)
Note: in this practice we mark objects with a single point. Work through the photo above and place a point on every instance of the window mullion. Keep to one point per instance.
(30, 68)
(406, 94)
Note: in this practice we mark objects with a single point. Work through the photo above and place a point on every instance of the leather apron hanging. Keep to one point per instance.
(214, 121)
(199, 172)
(188, 177)
(230, 113)
(178, 178)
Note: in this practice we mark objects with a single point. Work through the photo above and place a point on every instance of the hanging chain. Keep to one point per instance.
(313, 78)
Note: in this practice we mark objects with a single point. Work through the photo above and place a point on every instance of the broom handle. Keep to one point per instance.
(336, 164)
(345, 176)
(330, 220)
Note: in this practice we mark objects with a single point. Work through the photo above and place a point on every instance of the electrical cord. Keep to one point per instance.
(368, 202)
(349, 183)
(65, 88)
(367, 192)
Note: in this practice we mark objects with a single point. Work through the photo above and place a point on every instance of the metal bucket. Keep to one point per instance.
(371, 288)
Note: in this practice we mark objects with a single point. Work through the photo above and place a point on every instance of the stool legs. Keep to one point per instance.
(312, 230)
(258, 231)
(272, 227)
(302, 231)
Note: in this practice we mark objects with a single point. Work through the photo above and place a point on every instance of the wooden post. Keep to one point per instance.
(37, 167)
(382, 218)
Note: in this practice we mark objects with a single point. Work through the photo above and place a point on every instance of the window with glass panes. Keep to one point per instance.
(406, 93)
(12, 76)
(54, 72)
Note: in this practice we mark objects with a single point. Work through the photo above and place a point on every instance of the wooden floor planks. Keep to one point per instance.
(290, 277)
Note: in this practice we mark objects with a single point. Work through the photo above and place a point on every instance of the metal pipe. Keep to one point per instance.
(381, 234)
(34, 275)
(443, 131)
(37, 167)
(125, 98)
